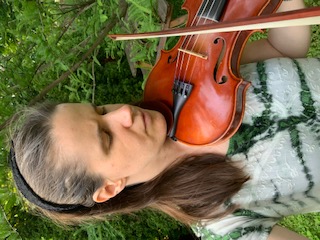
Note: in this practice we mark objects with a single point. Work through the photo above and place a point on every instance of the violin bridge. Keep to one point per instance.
(193, 53)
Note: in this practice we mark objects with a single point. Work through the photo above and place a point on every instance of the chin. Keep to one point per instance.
(163, 128)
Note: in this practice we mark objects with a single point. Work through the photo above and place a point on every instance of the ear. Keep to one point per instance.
(108, 190)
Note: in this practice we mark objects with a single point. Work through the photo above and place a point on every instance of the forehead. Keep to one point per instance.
(72, 126)
(69, 110)
(69, 119)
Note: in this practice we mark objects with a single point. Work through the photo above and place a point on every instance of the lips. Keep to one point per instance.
(145, 118)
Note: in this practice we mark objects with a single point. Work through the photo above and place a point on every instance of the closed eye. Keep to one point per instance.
(104, 136)
(103, 110)
(106, 139)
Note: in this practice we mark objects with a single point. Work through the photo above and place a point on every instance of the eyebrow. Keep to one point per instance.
(99, 135)
(99, 130)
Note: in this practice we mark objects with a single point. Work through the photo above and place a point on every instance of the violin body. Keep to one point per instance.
(207, 67)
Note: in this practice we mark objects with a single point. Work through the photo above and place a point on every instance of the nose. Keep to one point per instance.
(124, 115)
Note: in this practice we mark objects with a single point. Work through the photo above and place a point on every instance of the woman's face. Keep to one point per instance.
(115, 141)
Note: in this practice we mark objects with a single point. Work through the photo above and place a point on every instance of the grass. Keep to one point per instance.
(305, 224)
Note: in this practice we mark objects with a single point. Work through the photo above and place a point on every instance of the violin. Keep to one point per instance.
(199, 78)
(197, 84)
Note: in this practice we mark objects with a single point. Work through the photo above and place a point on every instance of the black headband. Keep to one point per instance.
(31, 196)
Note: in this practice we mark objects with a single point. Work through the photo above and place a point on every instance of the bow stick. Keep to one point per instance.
(301, 17)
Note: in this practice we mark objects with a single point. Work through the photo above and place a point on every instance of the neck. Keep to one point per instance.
(177, 149)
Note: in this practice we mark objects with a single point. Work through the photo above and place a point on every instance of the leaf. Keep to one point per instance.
(96, 60)
(140, 6)
(71, 89)
(6, 230)
(103, 18)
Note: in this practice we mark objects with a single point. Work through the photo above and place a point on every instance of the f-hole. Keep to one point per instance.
(224, 78)
(171, 59)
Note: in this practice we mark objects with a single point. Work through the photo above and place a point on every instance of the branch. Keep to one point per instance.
(43, 66)
(111, 23)
(93, 80)
(72, 7)
(85, 8)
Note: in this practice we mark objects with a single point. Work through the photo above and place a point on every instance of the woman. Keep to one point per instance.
(80, 161)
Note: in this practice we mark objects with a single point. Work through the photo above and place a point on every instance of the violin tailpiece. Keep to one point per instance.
(181, 92)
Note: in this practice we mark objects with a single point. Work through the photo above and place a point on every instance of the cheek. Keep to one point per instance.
(124, 157)
(134, 158)
(161, 127)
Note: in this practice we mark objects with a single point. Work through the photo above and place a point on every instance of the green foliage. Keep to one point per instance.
(111, 90)
(159, 227)
(6, 231)
(314, 50)
(307, 225)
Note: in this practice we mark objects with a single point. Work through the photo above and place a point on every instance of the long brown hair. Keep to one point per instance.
(194, 188)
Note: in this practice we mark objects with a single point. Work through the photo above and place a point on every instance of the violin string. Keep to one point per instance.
(205, 17)
(201, 17)
(193, 23)
(179, 63)
(205, 21)
(178, 70)
(186, 43)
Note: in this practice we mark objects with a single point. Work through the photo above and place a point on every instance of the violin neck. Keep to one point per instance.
(211, 9)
